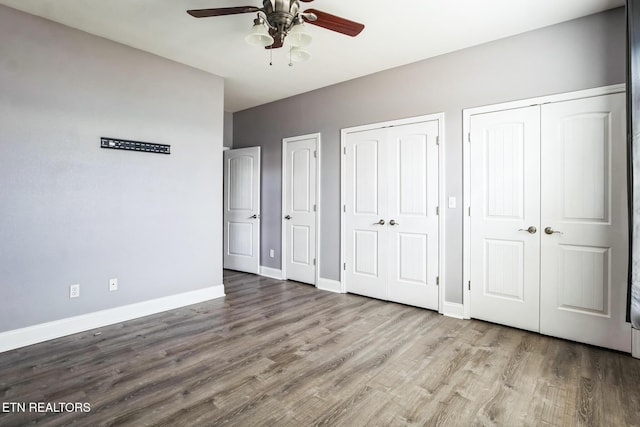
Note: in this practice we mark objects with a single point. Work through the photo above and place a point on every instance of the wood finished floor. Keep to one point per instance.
(285, 354)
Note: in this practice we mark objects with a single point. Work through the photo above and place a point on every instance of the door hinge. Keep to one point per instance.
(437, 210)
(344, 208)
(314, 261)
(315, 154)
(469, 213)
(437, 140)
(437, 280)
(469, 137)
(314, 208)
(344, 150)
(344, 266)
(469, 286)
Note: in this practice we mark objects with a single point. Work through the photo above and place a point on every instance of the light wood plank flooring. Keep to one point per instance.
(285, 354)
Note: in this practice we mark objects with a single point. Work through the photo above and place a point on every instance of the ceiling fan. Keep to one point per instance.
(278, 19)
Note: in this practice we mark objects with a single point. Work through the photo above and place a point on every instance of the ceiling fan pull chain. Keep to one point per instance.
(270, 56)
(290, 61)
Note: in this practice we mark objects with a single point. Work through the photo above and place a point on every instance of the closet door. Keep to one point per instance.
(242, 209)
(584, 243)
(412, 200)
(505, 217)
(366, 213)
(391, 222)
(299, 208)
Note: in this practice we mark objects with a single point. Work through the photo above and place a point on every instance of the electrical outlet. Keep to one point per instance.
(272, 253)
(74, 291)
(113, 285)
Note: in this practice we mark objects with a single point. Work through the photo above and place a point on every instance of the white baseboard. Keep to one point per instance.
(273, 273)
(72, 325)
(635, 343)
(453, 309)
(329, 285)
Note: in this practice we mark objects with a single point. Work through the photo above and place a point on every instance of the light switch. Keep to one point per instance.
(452, 202)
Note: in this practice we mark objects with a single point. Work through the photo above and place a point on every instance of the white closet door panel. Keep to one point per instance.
(584, 262)
(504, 265)
(412, 199)
(241, 239)
(300, 209)
(300, 245)
(301, 165)
(365, 236)
(241, 191)
(505, 188)
(366, 173)
(242, 209)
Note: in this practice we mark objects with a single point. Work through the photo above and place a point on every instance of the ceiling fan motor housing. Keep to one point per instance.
(281, 13)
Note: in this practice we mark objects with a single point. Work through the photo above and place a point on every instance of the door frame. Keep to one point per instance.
(283, 239)
(441, 167)
(466, 165)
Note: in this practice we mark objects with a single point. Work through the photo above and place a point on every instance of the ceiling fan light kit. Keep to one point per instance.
(298, 36)
(280, 19)
(259, 35)
(297, 54)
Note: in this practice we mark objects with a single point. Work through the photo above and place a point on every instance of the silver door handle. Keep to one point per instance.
(550, 230)
(288, 217)
(392, 222)
(381, 222)
(530, 230)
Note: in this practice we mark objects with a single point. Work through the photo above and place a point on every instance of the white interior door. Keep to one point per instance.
(584, 204)
(299, 211)
(242, 209)
(505, 203)
(412, 210)
(391, 225)
(366, 213)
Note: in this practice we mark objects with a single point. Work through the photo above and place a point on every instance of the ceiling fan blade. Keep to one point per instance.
(335, 23)
(307, 1)
(220, 11)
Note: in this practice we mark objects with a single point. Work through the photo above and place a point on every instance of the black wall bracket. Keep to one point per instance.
(125, 144)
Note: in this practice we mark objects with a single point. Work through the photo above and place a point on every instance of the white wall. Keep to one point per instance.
(71, 212)
(580, 54)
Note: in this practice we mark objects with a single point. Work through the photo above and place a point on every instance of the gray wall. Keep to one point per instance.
(72, 212)
(580, 54)
(228, 129)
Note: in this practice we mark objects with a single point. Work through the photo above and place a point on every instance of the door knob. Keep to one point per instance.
(530, 230)
(254, 216)
(288, 217)
(392, 222)
(381, 222)
(550, 230)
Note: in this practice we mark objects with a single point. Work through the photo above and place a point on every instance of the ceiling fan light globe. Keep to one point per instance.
(259, 36)
(298, 36)
(299, 55)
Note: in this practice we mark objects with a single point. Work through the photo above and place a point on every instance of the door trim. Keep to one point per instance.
(441, 168)
(466, 165)
(283, 239)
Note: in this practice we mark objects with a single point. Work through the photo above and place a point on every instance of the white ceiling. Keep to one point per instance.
(396, 33)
